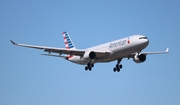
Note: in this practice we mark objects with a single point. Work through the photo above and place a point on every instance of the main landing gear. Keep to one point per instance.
(89, 66)
(118, 66)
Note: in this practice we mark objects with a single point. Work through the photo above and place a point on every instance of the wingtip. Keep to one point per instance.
(167, 49)
(13, 42)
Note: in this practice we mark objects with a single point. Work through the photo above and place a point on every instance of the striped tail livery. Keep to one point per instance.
(67, 41)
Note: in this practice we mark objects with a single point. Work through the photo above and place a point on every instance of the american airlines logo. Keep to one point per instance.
(116, 44)
(67, 40)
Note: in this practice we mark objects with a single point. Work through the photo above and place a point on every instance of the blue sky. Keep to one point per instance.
(27, 78)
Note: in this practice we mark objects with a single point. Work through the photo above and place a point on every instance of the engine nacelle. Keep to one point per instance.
(139, 58)
(89, 55)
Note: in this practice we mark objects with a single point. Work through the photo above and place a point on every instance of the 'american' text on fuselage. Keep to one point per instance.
(116, 44)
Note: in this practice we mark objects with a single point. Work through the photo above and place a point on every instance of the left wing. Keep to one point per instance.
(76, 52)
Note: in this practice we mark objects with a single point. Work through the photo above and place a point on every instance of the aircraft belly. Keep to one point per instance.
(79, 60)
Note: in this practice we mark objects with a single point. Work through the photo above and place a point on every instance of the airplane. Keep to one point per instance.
(129, 47)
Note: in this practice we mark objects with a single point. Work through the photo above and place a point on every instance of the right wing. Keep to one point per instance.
(60, 51)
(159, 52)
(148, 53)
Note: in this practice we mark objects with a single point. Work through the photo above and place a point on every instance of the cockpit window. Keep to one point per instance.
(143, 38)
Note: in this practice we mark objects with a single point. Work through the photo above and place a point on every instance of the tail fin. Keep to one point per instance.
(67, 41)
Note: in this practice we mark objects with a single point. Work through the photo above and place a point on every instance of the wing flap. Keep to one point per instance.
(54, 55)
(65, 51)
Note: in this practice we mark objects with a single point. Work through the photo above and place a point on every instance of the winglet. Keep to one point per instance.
(167, 50)
(13, 42)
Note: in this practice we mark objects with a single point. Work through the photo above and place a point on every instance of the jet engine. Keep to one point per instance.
(89, 55)
(139, 58)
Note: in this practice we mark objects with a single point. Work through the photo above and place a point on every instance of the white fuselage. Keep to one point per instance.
(118, 48)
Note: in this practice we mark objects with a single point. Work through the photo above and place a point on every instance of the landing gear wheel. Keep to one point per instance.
(114, 69)
(86, 68)
(118, 69)
(92, 64)
(120, 66)
(89, 66)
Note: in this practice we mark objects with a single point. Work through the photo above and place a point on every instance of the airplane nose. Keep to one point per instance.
(146, 42)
